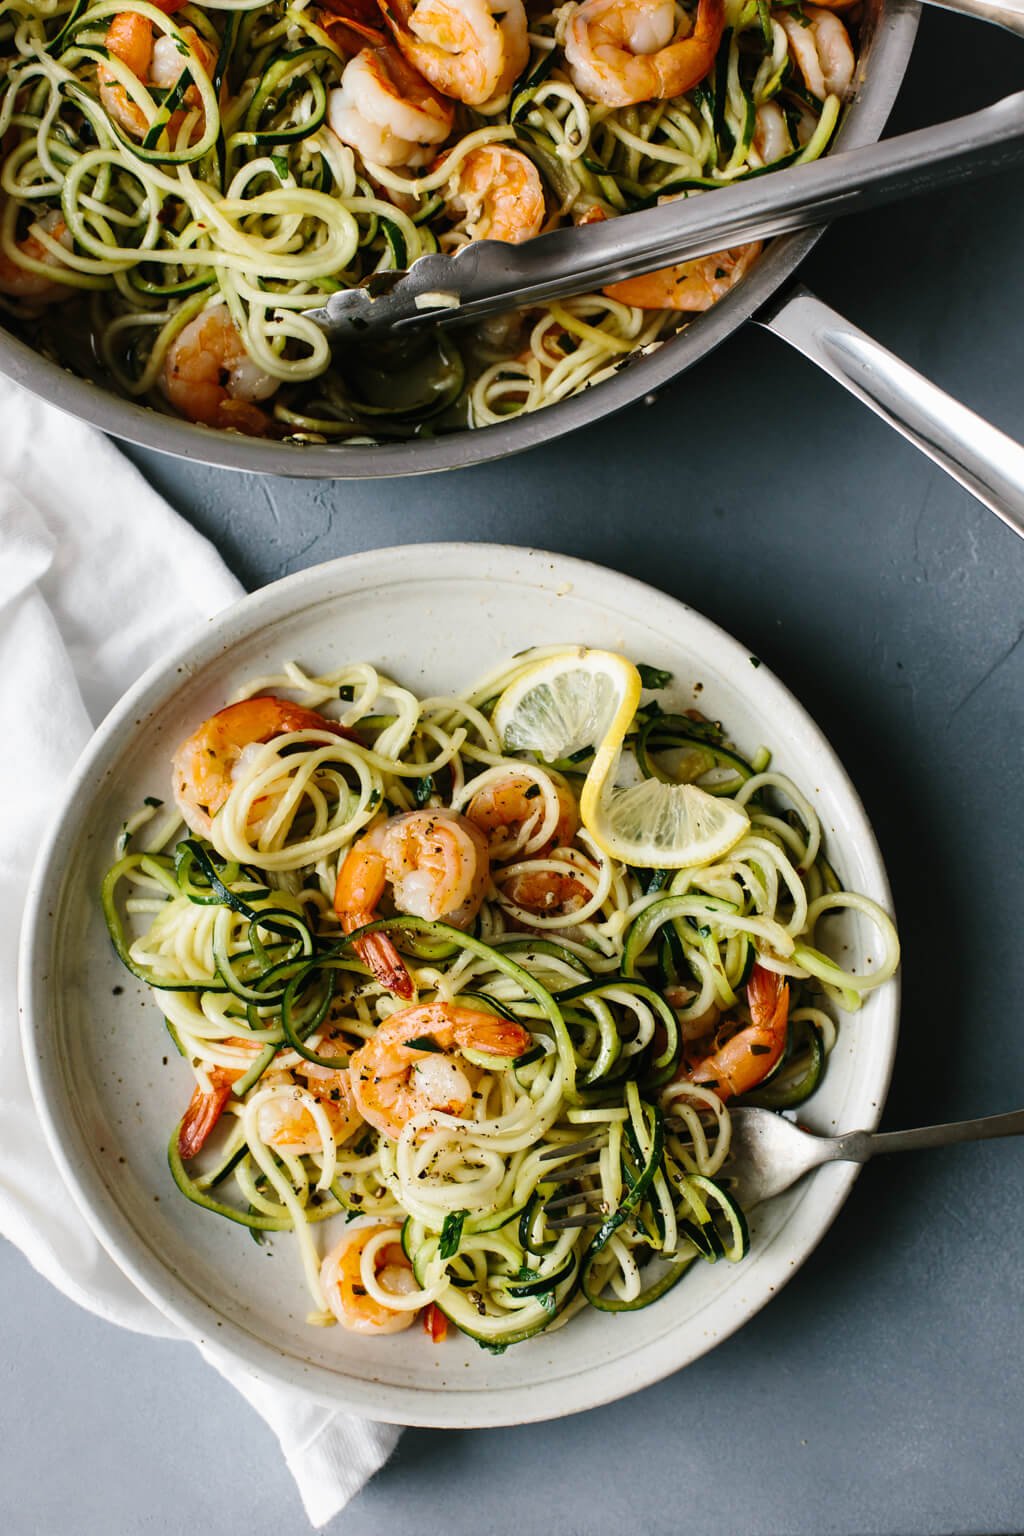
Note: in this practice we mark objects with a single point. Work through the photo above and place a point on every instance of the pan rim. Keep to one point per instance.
(891, 42)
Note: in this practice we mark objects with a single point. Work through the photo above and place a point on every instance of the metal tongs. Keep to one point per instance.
(489, 277)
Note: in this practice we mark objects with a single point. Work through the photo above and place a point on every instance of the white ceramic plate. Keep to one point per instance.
(109, 1087)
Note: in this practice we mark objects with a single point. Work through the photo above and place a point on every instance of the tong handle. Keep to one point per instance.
(488, 277)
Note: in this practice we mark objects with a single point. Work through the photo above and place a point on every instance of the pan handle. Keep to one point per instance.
(1004, 13)
(984, 460)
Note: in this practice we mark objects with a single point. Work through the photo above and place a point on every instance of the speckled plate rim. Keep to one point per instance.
(813, 1212)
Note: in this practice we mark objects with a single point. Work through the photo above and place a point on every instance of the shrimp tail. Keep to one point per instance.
(492, 1036)
(378, 952)
(768, 999)
(356, 17)
(435, 1324)
(365, 12)
(745, 1059)
(204, 1111)
(360, 885)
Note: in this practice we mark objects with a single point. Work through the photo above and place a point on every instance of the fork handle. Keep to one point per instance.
(859, 1146)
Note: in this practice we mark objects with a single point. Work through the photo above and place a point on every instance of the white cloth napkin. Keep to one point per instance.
(82, 538)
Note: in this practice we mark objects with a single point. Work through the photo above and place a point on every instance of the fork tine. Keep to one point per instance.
(573, 1199)
(674, 1123)
(573, 1172)
(572, 1149)
(593, 1219)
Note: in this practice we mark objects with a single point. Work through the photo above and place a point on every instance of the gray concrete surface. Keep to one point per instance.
(883, 1391)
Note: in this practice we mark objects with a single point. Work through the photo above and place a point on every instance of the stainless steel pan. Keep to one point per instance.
(953, 436)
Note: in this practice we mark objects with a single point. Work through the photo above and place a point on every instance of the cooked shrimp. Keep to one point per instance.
(692, 285)
(621, 52)
(360, 17)
(437, 865)
(746, 1058)
(205, 765)
(365, 12)
(386, 110)
(167, 67)
(548, 892)
(771, 139)
(411, 1065)
(285, 1122)
(210, 377)
(435, 1324)
(344, 1283)
(343, 24)
(470, 49)
(205, 1109)
(130, 39)
(821, 46)
(512, 809)
(21, 282)
(499, 193)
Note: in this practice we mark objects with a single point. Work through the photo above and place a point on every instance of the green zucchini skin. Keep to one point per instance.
(254, 1220)
(533, 1271)
(798, 1073)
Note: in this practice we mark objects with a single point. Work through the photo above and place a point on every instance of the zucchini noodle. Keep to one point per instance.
(164, 226)
(502, 1076)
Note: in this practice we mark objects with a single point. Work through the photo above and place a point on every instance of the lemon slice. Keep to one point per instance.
(582, 698)
(566, 703)
(661, 826)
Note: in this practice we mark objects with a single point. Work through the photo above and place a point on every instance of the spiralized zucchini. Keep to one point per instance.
(232, 195)
(540, 1119)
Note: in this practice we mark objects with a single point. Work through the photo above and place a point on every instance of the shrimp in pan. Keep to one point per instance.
(820, 44)
(359, 19)
(209, 376)
(386, 110)
(623, 52)
(28, 282)
(691, 285)
(772, 138)
(511, 811)
(205, 1109)
(472, 50)
(437, 865)
(498, 192)
(547, 892)
(284, 1121)
(153, 63)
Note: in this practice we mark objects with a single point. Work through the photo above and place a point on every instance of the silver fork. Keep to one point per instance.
(769, 1154)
